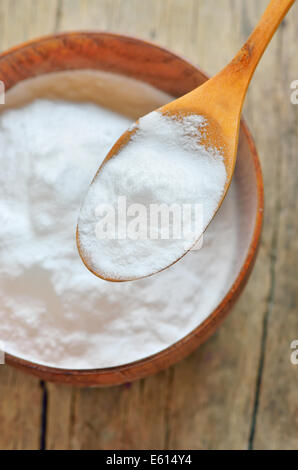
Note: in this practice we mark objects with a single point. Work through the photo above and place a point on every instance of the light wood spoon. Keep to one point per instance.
(219, 100)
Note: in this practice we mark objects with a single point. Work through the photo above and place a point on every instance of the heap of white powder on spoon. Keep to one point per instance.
(164, 171)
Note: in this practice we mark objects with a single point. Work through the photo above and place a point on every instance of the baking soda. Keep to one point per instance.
(163, 170)
(53, 310)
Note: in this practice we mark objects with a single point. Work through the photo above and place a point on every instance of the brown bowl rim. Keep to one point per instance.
(151, 364)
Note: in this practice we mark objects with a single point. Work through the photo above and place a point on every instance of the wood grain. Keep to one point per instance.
(20, 410)
(239, 390)
(124, 417)
(277, 417)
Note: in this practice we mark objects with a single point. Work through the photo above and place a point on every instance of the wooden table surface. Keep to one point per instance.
(239, 390)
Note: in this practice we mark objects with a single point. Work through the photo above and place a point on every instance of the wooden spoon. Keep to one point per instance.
(219, 100)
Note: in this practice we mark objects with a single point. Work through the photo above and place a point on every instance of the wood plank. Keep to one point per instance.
(131, 416)
(60, 416)
(277, 418)
(20, 410)
(20, 394)
(21, 20)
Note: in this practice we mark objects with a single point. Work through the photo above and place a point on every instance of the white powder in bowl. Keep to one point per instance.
(53, 311)
(164, 166)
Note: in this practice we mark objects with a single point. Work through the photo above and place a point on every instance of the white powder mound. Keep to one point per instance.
(52, 309)
(164, 163)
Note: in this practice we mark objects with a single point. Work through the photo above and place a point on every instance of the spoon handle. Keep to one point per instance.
(225, 92)
(242, 67)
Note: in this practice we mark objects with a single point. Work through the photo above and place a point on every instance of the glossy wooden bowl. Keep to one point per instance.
(171, 74)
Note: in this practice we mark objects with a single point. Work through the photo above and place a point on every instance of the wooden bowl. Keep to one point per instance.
(173, 75)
